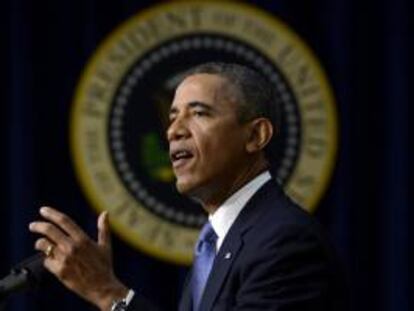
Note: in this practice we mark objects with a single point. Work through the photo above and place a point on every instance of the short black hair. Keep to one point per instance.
(257, 97)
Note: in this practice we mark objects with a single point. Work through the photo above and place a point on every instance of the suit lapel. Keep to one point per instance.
(224, 260)
(233, 244)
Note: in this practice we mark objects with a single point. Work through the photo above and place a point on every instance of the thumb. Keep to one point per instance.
(104, 234)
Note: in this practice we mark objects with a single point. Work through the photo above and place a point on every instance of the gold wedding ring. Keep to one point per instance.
(49, 250)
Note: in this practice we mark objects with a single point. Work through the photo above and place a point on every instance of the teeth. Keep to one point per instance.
(181, 154)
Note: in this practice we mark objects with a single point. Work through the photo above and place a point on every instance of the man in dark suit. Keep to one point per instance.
(258, 251)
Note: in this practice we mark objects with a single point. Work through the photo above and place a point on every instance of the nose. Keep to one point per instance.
(177, 130)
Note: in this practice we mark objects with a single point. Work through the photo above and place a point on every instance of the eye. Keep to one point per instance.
(200, 113)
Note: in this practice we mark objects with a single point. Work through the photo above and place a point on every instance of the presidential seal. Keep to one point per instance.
(120, 115)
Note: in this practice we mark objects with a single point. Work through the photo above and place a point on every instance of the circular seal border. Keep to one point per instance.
(301, 185)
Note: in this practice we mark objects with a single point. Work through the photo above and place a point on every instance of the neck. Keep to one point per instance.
(212, 199)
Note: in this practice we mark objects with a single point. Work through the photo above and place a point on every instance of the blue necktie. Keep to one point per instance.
(204, 254)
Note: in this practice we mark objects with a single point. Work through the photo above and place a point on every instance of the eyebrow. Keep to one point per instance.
(193, 104)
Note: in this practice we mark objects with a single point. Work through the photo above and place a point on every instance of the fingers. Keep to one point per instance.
(64, 222)
(51, 262)
(81, 264)
(43, 245)
(104, 234)
(51, 232)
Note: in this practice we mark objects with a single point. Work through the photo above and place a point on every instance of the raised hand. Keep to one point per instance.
(83, 265)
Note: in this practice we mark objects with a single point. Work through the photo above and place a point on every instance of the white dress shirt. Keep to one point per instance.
(226, 214)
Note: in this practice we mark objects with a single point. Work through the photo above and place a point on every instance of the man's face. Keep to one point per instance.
(207, 141)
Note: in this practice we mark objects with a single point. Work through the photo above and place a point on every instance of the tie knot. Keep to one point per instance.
(207, 233)
(207, 238)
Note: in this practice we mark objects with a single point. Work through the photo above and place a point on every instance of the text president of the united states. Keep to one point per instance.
(258, 251)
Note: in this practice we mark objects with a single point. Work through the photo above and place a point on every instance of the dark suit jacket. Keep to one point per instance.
(274, 257)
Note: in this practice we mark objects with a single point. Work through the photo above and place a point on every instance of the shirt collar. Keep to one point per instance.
(226, 214)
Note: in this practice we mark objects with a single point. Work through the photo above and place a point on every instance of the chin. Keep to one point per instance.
(188, 186)
(183, 186)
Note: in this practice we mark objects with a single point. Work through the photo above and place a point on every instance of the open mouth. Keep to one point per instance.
(180, 157)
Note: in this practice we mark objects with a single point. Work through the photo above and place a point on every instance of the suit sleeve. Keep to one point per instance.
(291, 272)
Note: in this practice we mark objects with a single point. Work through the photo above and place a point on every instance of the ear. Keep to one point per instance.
(260, 132)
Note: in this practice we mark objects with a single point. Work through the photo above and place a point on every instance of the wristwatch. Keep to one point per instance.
(119, 305)
(122, 304)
